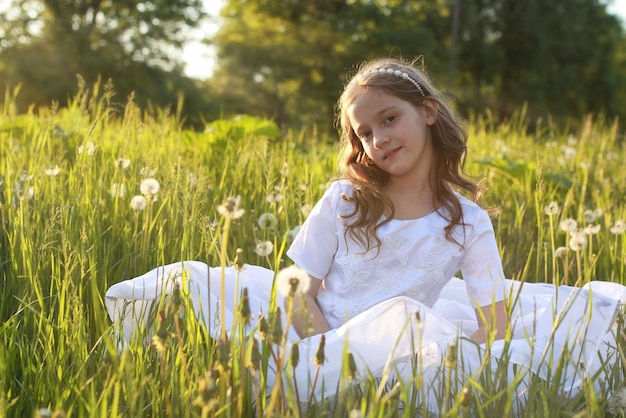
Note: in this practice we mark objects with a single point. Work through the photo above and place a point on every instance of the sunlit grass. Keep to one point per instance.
(69, 231)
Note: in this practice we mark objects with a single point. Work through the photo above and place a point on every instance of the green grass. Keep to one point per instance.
(65, 238)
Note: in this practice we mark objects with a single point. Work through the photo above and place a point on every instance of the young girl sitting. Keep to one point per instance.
(380, 252)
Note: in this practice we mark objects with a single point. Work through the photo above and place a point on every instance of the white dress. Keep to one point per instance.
(370, 300)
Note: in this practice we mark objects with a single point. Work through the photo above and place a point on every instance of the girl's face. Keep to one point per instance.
(394, 134)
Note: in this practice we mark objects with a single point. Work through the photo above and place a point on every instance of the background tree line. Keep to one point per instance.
(287, 59)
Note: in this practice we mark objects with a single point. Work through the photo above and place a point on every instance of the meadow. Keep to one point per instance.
(97, 192)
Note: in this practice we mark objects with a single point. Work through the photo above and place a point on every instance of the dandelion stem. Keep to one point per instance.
(223, 275)
(317, 372)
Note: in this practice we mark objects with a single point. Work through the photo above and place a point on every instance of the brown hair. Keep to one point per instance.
(449, 139)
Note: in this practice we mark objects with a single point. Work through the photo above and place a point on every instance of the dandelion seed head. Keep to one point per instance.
(118, 190)
(591, 229)
(293, 233)
(274, 197)
(25, 176)
(569, 152)
(138, 202)
(264, 248)
(616, 404)
(268, 221)
(577, 241)
(618, 227)
(571, 140)
(149, 187)
(147, 172)
(306, 209)
(561, 252)
(192, 179)
(291, 280)
(88, 148)
(355, 413)
(590, 216)
(568, 225)
(552, 208)
(122, 163)
(211, 224)
(27, 194)
(44, 413)
(230, 209)
(52, 171)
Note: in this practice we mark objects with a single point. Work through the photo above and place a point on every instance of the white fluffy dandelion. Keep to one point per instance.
(552, 208)
(569, 152)
(591, 229)
(568, 225)
(230, 208)
(306, 209)
(211, 224)
(88, 148)
(577, 241)
(561, 252)
(25, 176)
(264, 248)
(268, 221)
(291, 280)
(138, 202)
(52, 171)
(590, 216)
(149, 187)
(618, 227)
(274, 197)
(616, 404)
(118, 190)
(122, 163)
(147, 172)
(192, 179)
(291, 235)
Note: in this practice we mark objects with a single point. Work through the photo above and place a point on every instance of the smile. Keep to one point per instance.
(391, 153)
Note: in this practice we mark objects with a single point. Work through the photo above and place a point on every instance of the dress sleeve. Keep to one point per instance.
(315, 246)
(482, 267)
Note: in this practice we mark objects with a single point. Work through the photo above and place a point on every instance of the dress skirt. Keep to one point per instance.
(399, 338)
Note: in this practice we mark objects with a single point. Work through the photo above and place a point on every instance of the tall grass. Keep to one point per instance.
(67, 234)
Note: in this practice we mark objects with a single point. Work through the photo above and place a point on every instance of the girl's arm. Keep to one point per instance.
(491, 318)
(307, 317)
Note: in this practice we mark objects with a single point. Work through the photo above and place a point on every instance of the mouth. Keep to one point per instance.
(391, 153)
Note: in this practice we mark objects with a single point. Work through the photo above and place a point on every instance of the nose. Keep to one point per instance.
(380, 139)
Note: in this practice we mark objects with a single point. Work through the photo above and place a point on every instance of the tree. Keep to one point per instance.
(46, 43)
(558, 56)
(287, 59)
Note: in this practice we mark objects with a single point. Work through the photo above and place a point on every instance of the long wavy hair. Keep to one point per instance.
(372, 207)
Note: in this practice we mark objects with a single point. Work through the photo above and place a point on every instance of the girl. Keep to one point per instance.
(379, 253)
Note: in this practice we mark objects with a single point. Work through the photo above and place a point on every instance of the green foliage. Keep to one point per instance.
(287, 60)
(67, 234)
(49, 43)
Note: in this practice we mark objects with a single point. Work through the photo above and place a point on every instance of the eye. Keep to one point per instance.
(364, 135)
(389, 119)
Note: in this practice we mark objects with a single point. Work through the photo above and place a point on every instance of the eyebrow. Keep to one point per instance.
(384, 110)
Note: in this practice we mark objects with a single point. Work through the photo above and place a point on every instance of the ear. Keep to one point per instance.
(430, 111)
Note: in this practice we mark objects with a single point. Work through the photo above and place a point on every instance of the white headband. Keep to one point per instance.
(396, 73)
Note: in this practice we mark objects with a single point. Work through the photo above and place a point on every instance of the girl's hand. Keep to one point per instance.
(307, 317)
